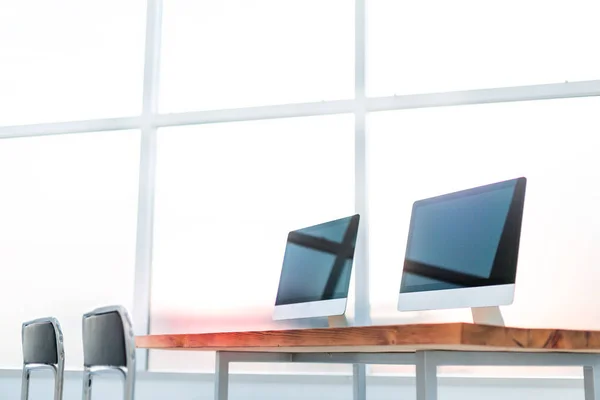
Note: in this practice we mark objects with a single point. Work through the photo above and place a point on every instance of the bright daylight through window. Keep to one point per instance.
(224, 54)
(59, 62)
(156, 153)
(67, 237)
(226, 231)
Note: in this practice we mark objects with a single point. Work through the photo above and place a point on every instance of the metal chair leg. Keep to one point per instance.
(25, 384)
(87, 385)
(58, 384)
(129, 386)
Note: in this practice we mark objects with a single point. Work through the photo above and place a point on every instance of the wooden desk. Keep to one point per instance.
(427, 346)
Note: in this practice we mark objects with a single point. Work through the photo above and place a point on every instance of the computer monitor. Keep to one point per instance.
(462, 248)
(317, 265)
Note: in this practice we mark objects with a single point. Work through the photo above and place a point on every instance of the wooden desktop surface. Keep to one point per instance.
(393, 338)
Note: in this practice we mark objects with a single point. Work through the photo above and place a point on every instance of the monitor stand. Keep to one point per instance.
(337, 321)
(487, 316)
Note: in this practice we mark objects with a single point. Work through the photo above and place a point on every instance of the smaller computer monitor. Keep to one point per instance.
(462, 248)
(317, 265)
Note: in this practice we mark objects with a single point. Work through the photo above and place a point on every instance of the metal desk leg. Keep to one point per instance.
(359, 382)
(221, 377)
(426, 376)
(591, 382)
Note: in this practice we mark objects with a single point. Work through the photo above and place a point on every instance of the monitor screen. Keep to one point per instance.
(465, 239)
(318, 262)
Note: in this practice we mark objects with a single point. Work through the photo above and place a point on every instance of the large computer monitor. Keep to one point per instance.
(462, 248)
(317, 265)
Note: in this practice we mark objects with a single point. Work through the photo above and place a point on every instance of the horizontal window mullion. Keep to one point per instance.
(56, 128)
(484, 96)
(256, 113)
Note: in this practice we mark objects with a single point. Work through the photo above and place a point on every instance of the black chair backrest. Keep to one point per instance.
(104, 340)
(39, 343)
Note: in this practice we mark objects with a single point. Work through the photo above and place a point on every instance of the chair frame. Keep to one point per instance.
(58, 369)
(127, 372)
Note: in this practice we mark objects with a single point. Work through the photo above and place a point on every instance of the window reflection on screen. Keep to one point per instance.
(318, 262)
(455, 242)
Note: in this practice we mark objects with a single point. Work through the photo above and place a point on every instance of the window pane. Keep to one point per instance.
(238, 53)
(67, 237)
(421, 153)
(70, 60)
(227, 196)
(437, 45)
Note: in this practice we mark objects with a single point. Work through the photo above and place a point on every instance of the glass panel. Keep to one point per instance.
(239, 53)
(70, 60)
(437, 45)
(421, 153)
(227, 196)
(67, 237)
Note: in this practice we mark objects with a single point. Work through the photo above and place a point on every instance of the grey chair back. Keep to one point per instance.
(108, 345)
(42, 342)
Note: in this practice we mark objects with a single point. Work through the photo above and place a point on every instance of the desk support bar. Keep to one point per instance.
(510, 359)
(426, 374)
(221, 376)
(591, 382)
(359, 382)
(355, 358)
(359, 361)
(426, 361)
(224, 358)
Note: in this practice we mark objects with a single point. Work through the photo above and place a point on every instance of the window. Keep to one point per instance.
(219, 198)
(238, 53)
(430, 46)
(426, 152)
(67, 237)
(70, 60)
(227, 195)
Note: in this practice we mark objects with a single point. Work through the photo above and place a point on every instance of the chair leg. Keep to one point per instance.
(129, 386)
(25, 384)
(87, 385)
(58, 384)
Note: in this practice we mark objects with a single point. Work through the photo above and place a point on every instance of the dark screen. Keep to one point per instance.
(465, 239)
(318, 262)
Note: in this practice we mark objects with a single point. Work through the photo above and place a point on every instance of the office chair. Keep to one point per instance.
(108, 345)
(42, 341)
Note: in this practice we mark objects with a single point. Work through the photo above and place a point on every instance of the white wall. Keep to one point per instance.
(155, 386)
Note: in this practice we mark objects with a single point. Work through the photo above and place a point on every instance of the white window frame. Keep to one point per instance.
(150, 120)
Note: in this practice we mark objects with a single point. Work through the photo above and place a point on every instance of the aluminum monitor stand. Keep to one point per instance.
(487, 316)
(338, 321)
(481, 315)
